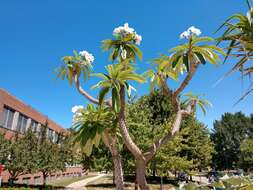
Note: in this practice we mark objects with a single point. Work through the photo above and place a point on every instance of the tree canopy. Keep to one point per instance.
(227, 135)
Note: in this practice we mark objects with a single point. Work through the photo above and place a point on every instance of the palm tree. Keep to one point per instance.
(238, 33)
(93, 124)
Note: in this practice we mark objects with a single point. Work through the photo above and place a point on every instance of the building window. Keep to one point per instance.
(22, 122)
(8, 115)
(26, 180)
(56, 136)
(34, 125)
(37, 180)
(38, 130)
(50, 134)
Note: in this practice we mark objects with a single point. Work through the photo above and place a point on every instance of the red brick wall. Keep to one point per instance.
(69, 172)
(18, 105)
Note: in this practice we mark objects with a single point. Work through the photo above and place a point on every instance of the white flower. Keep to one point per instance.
(185, 35)
(87, 56)
(123, 30)
(123, 54)
(190, 32)
(138, 39)
(76, 117)
(194, 31)
(76, 109)
(128, 29)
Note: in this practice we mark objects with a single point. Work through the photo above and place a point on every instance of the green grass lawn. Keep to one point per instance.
(67, 181)
(105, 183)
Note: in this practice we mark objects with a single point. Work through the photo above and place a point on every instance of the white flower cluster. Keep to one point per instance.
(87, 56)
(125, 30)
(76, 109)
(77, 112)
(192, 31)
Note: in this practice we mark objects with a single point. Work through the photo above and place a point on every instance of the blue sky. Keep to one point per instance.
(34, 35)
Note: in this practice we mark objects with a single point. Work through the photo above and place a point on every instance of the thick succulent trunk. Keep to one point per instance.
(132, 147)
(143, 158)
(140, 175)
(111, 142)
(118, 172)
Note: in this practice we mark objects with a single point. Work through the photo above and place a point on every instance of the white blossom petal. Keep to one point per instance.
(87, 56)
(123, 31)
(76, 109)
(190, 32)
(138, 39)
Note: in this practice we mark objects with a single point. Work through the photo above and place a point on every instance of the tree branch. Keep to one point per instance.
(186, 81)
(164, 85)
(171, 134)
(86, 94)
(132, 147)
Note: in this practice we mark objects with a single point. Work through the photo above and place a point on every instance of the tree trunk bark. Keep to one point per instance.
(161, 183)
(135, 181)
(140, 175)
(130, 144)
(113, 175)
(11, 181)
(111, 142)
(119, 180)
(44, 176)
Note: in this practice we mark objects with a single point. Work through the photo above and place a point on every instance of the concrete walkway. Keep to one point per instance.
(80, 185)
(201, 179)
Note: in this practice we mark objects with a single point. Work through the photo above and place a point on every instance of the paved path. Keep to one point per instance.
(80, 185)
(202, 179)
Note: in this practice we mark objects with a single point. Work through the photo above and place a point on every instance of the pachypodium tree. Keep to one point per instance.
(238, 38)
(123, 48)
(186, 57)
(93, 124)
(75, 67)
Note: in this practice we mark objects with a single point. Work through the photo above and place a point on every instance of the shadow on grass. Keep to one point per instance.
(152, 180)
(129, 182)
(105, 185)
(6, 186)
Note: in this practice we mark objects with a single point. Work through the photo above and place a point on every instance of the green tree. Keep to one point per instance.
(148, 119)
(22, 155)
(228, 133)
(196, 144)
(246, 155)
(49, 157)
(4, 148)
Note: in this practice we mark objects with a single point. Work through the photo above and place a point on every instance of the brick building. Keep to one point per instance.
(17, 117)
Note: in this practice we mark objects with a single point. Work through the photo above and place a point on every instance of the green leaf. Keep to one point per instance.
(201, 58)
(202, 39)
(186, 62)
(115, 100)
(102, 94)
